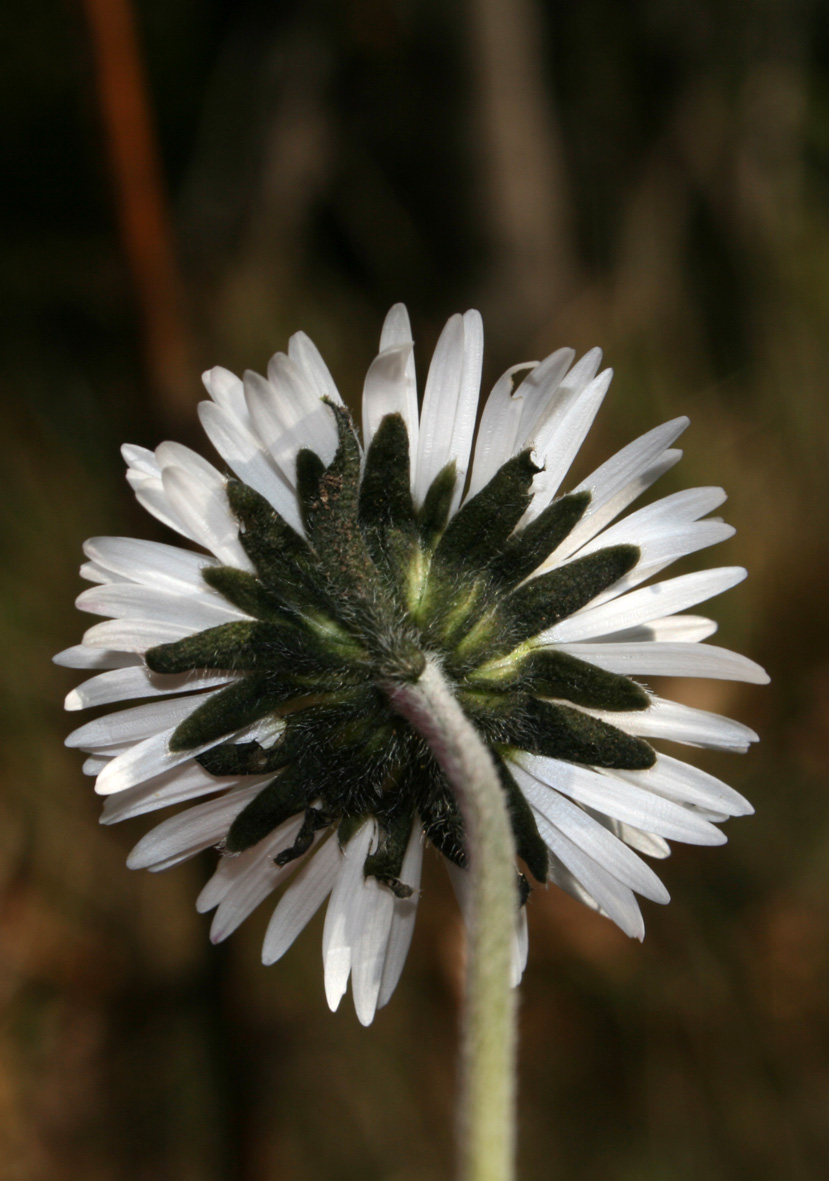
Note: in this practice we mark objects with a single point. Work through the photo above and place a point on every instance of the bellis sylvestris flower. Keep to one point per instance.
(331, 570)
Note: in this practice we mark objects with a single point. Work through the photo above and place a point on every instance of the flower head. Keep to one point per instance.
(329, 572)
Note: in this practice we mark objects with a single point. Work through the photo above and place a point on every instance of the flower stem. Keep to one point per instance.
(487, 1074)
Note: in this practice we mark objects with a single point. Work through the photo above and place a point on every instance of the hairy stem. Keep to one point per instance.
(487, 1075)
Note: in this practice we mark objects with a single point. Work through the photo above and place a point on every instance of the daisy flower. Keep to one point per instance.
(329, 570)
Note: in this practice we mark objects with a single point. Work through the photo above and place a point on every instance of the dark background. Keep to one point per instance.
(650, 176)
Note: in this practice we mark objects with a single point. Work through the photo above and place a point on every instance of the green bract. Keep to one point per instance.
(339, 617)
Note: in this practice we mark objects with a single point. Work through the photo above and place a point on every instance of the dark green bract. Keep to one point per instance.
(355, 607)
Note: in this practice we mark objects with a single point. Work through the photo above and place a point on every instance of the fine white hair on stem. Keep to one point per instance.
(487, 1116)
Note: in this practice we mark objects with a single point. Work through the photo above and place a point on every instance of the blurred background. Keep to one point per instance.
(187, 182)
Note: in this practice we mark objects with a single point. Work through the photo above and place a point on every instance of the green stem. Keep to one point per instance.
(487, 1099)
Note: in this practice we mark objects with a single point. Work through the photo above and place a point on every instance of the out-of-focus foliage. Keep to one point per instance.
(650, 176)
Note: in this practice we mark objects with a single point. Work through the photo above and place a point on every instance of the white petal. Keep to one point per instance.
(397, 331)
(659, 552)
(561, 876)
(559, 439)
(498, 430)
(593, 522)
(129, 763)
(288, 416)
(189, 832)
(587, 833)
(439, 403)
(682, 723)
(389, 389)
(93, 572)
(124, 684)
(150, 494)
(204, 508)
(466, 414)
(628, 464)
(81, 656)
(689, 785)
(95, 764)
(642, 842)
(134, 635)
(450, 402)
(403, 917)
(150, 563)
(520, 947)
(312, 369)
(176, 455)
(621, 479)
(139, 459)
(125, 600)
(397, 328)
(658, 520)
(669, 660)
(646, 604)
(302, 899)
(143, 761)
(545, 388)
(274, 424)
(299, 404)
(617, 799)
(187, 781)
(227, 871)
(611, 897)
(260, 878)
(231, 868)
(346, 910)
(135, 724)
(688, 629)
(227, 391)
(370, 947)
(250, 461)
(714, 817)
(549, 396)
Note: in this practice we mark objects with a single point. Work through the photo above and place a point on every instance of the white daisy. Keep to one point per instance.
(331, 569)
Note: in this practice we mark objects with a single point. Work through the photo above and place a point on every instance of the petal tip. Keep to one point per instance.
(104, 785)
(365, 1014)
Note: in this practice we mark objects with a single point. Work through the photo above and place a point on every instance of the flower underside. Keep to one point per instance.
(355, 607)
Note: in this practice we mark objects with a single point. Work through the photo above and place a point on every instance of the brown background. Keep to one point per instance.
(188, 182)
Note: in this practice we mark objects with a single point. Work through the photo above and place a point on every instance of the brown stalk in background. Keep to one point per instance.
(142, 207)
(524, 199)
